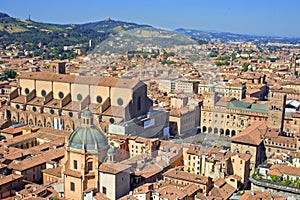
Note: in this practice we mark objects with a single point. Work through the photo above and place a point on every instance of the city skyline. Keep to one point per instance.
(256, 18)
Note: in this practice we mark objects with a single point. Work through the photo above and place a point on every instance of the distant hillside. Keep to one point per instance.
(42, 38)
(226, 36)
(111, 26)
(142, 37)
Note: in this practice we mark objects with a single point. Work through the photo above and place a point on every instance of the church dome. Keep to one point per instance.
(88, 136)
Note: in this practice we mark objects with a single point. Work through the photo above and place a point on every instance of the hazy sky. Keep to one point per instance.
(263, 17)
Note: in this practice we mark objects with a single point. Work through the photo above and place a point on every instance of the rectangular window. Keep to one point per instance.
(90, 166)
(72, 186)
(104, 190)
(139, 104)
(75, 164)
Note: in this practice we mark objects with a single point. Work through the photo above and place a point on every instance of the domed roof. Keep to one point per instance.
(88, 138)
(111, 151)
(87, 113)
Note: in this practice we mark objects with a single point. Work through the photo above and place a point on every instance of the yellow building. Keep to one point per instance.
(218, 163)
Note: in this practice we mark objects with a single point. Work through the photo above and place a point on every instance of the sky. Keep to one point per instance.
(259, 17)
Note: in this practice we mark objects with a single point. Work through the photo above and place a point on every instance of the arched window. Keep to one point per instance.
(22, 120)
(40, 123)
(68, 128)
(31, 123)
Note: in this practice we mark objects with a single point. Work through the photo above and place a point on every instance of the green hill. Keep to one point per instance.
(48, 40)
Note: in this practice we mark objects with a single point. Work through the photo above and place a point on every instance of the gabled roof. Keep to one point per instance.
(253, 135)
(280, 170)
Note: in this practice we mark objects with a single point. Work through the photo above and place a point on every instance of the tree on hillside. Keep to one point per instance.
(245, 67)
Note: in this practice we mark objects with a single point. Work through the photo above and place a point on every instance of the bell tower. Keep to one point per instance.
(293, 65)
(276, 111)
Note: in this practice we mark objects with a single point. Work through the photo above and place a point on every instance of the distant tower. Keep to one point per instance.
(231, 61)
(210, 96)
(293, 65)
(29, 19)
(276, 112)
(90, 43)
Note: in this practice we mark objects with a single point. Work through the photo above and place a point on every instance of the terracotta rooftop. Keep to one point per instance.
(91, 80)
(191, 189)
(171, 192)
(128, 197)
(258, 195)
(100, 196)
(73, 173)
(113, 168)
(37, 160)
(53, 171)
(236, 177)
(143, 189)
(280, 170)
(252, 135)
(223, 101)
(223, 192)
(150, 170)
(177, 173)
(244, 156)
(9, 178)
(13, 131)
(219, 182)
